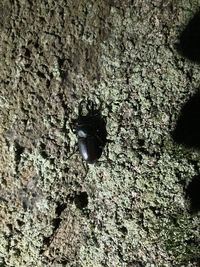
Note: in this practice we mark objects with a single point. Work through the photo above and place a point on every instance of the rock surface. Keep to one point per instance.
(131, 209)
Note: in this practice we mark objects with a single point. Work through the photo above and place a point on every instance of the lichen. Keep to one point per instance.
(124, 56)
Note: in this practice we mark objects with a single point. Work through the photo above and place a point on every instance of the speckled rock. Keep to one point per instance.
(130, 209)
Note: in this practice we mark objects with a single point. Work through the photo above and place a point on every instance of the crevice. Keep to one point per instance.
(40, 74)
(56, 224)
(18, 153)
(64, 106)
(81, 200)
(60, 208)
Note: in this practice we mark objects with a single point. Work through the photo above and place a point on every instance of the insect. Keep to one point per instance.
(91, 132)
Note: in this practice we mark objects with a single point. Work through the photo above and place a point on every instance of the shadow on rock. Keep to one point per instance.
(187, 131)
(189, 45)
(193, 193)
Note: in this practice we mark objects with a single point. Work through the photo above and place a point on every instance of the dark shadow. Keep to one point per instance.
(60, 208)
(81, 200)
(187, 131)
(189, 44)
(18, 152)
(193, 193)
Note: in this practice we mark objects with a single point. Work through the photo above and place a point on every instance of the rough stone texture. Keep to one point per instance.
(134, 211)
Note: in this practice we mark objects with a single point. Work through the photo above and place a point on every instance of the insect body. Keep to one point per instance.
(91, 132)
